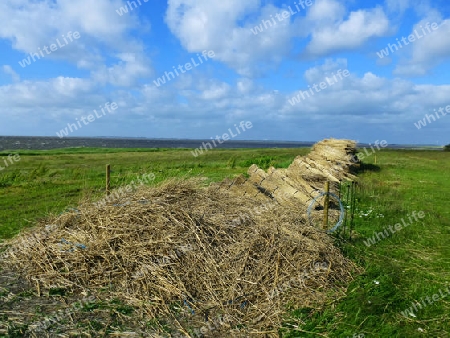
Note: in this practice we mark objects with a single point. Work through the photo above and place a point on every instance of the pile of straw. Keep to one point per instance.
(175, 253)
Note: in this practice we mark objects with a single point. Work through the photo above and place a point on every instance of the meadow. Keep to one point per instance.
(400, 270)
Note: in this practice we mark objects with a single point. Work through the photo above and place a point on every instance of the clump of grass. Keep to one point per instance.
(263, 162)
(232, 162)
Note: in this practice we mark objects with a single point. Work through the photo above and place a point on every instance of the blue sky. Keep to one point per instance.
(253, 76)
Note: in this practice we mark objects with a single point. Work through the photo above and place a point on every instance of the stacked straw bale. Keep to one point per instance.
(329, 160)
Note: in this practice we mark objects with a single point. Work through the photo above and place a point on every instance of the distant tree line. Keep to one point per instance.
(447, 147)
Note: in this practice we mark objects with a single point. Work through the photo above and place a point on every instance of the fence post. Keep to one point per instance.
(325, 206)
(352, 224)
(108, 178)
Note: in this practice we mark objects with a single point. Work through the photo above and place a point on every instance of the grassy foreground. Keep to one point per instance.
(404, 268)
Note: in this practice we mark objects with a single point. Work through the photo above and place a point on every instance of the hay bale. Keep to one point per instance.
(330, 159)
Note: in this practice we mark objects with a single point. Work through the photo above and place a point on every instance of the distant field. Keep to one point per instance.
(405, 267)
(47, 143)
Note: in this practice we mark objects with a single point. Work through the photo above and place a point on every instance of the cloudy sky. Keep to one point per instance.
(194, 68)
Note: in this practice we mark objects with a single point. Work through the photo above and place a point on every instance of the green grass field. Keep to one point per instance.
(405, 267)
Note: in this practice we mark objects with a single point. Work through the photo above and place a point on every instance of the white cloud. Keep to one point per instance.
(216, 92)
(245, 85)
(126, 72)
(370, 95)
(330, 33)
(317, 74)
(7, 69)
(210, 25)
(31, 25)
(326, 11)
(57, 93)
(201, 103)
(203, 24)
(427, 52)
(380, 99)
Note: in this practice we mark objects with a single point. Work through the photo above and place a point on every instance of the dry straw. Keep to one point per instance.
(174, 254)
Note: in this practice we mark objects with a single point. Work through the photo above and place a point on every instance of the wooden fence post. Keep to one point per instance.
(325, 205)
(108, 178)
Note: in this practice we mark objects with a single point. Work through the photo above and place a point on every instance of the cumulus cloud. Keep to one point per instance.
(317, 74)
(373, 96)
(32, 25)
(331, 33)
(427, 52)
(199, 105)
(227, 29)
(60, 92)
(126, 72)
(204, 24)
